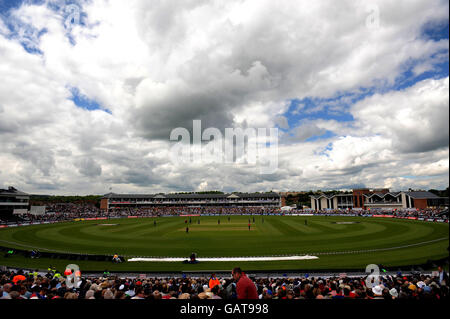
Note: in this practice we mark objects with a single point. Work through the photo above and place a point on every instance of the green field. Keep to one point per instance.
(339, 242)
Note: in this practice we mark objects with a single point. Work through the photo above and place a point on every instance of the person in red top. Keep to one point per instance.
(245, 288)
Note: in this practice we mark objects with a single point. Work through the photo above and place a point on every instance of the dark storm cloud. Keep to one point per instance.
(156, 121)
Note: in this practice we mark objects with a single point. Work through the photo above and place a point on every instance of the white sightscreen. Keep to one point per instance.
(37, 210)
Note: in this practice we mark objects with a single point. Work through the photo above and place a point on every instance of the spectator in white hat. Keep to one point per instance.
(394, 293)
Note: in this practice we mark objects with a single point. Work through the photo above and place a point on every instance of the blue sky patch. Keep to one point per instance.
(436, 31)
(6, 5)
(82, 101)
(70, 10)
(326, 135)
(325, 151)
(337, 107)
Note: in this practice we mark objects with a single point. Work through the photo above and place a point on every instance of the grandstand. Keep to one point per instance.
(12, 203)
(119, 201)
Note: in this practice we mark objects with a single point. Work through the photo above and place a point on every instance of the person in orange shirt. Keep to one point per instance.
(18, 278)
(213, 281)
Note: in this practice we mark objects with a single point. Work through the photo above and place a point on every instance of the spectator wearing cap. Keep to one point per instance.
(129, 290)
(377, 292)
(421, 285)
(394, 293)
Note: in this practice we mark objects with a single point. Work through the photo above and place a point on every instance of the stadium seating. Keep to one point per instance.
(17, 284)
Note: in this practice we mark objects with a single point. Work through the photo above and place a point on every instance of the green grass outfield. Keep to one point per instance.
(277, 235)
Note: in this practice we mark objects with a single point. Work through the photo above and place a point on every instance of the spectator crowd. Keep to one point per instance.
(32, 285)
(69, 211)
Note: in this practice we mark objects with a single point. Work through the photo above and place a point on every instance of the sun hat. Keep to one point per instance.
(421, 284)
(394, 292)
(377, 290)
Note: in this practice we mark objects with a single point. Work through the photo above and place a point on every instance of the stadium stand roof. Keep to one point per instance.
(421, 195)
(412, 194)
(382, 195)
(12, 191)
(329, 196)
(193, 195)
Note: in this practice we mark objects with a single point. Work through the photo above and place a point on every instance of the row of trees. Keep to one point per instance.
(37, 200)
(440, 193)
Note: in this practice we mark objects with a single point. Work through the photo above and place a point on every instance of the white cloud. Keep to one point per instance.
(416, 118)
(159, 65)
(306, 131)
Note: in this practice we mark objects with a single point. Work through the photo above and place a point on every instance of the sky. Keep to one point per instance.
(92, 89)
